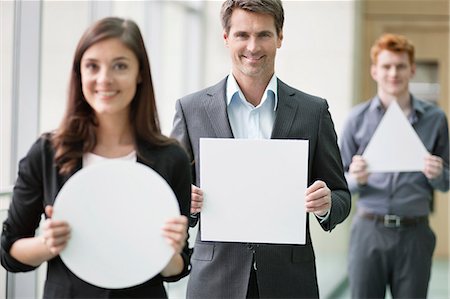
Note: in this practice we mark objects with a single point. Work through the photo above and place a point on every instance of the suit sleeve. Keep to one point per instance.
(26, 208)
(327, 166)
(181, 185)
(181, 133)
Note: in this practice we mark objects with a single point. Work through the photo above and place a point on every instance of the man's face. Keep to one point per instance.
(253, 42)
(392, 72)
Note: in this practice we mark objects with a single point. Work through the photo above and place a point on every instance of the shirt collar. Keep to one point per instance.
(376, 104)
(417, 107)
(233, 88)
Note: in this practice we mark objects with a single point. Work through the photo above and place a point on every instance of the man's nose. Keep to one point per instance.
(393, 71)
(253, 44)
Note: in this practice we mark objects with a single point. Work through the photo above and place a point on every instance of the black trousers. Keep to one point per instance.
(380, 256)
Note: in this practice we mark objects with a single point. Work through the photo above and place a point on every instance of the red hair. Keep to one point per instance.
(394, 43)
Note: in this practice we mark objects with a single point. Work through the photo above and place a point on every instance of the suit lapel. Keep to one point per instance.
(286, 111)
(215, 106)
(216, 109)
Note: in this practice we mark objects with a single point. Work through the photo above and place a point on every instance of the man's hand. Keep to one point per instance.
(196, 200)
(318, 198)
(433, 167)
(358, 170)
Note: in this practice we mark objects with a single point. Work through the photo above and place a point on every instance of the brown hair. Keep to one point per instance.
(77, 132)
(394, 43)
(271, 7)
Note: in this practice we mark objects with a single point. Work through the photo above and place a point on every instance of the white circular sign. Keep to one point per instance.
(116, 211)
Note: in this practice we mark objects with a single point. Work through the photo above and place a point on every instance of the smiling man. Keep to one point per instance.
(391, 242)
(252, 103)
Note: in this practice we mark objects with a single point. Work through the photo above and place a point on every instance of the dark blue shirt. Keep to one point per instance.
(400, 193)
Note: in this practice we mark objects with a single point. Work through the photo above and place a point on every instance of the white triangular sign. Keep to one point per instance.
(395, 146)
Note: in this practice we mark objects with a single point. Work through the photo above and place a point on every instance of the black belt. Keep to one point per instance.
(394, 220)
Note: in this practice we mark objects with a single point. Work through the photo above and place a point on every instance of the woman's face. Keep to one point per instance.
(109, 76)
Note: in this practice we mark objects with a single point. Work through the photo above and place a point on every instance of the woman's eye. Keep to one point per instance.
(91, 66)
(120, 66)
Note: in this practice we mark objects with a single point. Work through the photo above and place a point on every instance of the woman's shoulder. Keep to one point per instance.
(172, 150)
(38, 160)
(176, 149)
(42, 146)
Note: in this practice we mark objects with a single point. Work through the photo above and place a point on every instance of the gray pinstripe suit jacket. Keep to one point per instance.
(221, 269)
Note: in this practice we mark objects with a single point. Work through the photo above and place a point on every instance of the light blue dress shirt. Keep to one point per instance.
(246, 120)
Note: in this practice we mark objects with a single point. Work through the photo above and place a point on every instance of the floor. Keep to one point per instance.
(439, 283)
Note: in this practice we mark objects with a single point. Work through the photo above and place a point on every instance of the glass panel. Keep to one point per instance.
(3, 214)
(174, 48)
(58, 45)
(6, 73)
(425, 84)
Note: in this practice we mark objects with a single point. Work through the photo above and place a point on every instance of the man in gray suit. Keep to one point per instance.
(253, 103)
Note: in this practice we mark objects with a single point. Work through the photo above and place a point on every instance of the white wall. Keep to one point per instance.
(316, 55)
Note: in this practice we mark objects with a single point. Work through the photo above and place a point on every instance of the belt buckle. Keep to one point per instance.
(391, 221)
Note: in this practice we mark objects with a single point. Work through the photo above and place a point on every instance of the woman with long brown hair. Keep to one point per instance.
(111, 114)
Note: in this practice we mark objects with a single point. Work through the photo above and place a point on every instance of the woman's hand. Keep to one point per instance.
(34, 251)
(175, 232)
(55, 233)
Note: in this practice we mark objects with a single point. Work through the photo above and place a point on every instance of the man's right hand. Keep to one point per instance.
(196, 200)
(358, 170)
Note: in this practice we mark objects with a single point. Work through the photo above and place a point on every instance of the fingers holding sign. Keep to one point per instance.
(318, 198)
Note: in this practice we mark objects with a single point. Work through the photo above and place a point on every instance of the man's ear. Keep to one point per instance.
(280, 39)
(225, 38)
(413, 70)
(373, 72)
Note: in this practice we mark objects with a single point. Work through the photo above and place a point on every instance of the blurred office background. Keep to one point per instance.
(325, 52)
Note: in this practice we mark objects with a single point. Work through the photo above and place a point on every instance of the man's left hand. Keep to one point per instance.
(433, 167)
(318, 198)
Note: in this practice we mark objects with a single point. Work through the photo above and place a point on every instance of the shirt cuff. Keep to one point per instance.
(324, 217)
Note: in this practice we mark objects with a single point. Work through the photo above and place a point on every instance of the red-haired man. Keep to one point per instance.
(391, 242)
